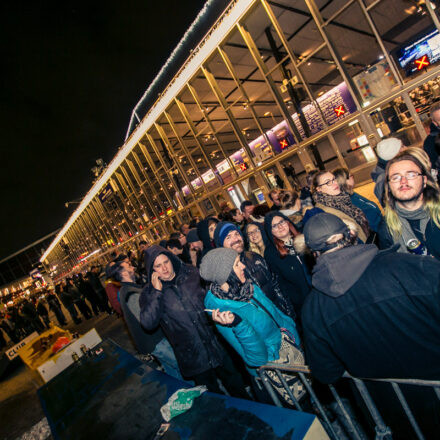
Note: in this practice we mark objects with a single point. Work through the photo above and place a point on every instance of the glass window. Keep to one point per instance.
(363, 59)
(294, 170)
(400, 25)
(354, 146)
(393, 119)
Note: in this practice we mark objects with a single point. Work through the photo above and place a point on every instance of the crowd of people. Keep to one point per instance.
(81, 296)
(321, 276)
(30, 315)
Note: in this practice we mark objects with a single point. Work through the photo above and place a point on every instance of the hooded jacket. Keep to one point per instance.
(256, 337)
(203, 233)
(373, 313)
(291, 270)
(144, 341)
(178, 309)
(260, 226)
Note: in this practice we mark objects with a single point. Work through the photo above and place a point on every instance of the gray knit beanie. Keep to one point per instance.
(217, 265)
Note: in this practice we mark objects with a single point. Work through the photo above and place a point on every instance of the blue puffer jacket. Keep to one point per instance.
(256, 338)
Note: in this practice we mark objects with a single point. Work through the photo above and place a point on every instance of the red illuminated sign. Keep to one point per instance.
(243, 166)
(422, 62)
(283, 144)
(340, 111)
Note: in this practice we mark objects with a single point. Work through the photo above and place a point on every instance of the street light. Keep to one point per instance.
(73, 202)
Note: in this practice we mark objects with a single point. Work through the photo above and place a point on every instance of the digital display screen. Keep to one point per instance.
(428, 44)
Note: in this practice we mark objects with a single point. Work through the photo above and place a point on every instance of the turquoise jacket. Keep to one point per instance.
(256, 338)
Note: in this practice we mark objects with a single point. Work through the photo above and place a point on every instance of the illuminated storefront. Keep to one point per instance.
(274, 86)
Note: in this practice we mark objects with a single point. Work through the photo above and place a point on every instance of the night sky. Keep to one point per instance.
(72, 73)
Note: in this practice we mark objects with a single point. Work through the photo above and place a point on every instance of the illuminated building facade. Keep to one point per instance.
(274, 86)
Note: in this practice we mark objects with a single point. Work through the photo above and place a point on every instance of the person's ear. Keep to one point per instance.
(425, 179)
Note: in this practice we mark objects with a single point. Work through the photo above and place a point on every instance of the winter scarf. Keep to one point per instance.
(237, 291)
(290, 247)
(407, 232)
(343, 203)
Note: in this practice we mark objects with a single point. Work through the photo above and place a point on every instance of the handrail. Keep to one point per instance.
(383, 431)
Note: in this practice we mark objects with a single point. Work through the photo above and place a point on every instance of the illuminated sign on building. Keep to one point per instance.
(340, 110)
(422, 62)
(105, 193)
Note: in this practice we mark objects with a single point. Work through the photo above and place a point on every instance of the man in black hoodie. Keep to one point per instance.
(153, 342)
(375, 314)
(174, 299)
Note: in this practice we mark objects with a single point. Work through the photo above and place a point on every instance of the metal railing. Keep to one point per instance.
(382, 430)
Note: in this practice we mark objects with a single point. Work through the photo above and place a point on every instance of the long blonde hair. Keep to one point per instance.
(257, 249)
(431, 192)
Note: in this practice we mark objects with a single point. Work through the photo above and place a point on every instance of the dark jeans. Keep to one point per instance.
(94, 302)
(229, 376)
(84, 308)
(46, 321)
(73, 313)
(60, 316)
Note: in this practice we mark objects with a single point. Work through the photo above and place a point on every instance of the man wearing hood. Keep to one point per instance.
(153, 342)
(228, 235)
(195, 245)
(205, 231)
(174, 299)
(375, 314)
(372, 313)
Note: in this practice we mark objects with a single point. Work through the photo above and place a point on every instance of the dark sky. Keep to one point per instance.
(72, 73)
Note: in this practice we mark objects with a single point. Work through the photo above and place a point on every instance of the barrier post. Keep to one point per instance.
(383, 432)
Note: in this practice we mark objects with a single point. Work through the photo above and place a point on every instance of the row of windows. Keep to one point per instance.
(307, 83)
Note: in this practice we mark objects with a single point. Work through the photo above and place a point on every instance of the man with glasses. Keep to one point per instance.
(412, 207)
(386, 150)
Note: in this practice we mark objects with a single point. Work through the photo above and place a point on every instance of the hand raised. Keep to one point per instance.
(155, 281)
(223, 318)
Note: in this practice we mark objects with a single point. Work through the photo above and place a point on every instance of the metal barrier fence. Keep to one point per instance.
(383, 432)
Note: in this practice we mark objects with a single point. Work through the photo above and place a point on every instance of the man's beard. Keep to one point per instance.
(412, 199)
(238, 242)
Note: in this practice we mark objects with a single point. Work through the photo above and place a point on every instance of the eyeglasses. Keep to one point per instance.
(279, 224)
(410, 175)
(254, 233)
(328, 182)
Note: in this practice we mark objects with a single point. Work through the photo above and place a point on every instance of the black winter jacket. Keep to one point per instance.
(432, 238)
(258, 271)
(144, 341)
(373, 313)
(291, 270)
(179, 310)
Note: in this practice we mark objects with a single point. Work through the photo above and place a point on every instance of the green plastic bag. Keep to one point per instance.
(181, 401)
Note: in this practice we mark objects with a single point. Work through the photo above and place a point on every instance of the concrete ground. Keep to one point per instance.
(20, 408)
